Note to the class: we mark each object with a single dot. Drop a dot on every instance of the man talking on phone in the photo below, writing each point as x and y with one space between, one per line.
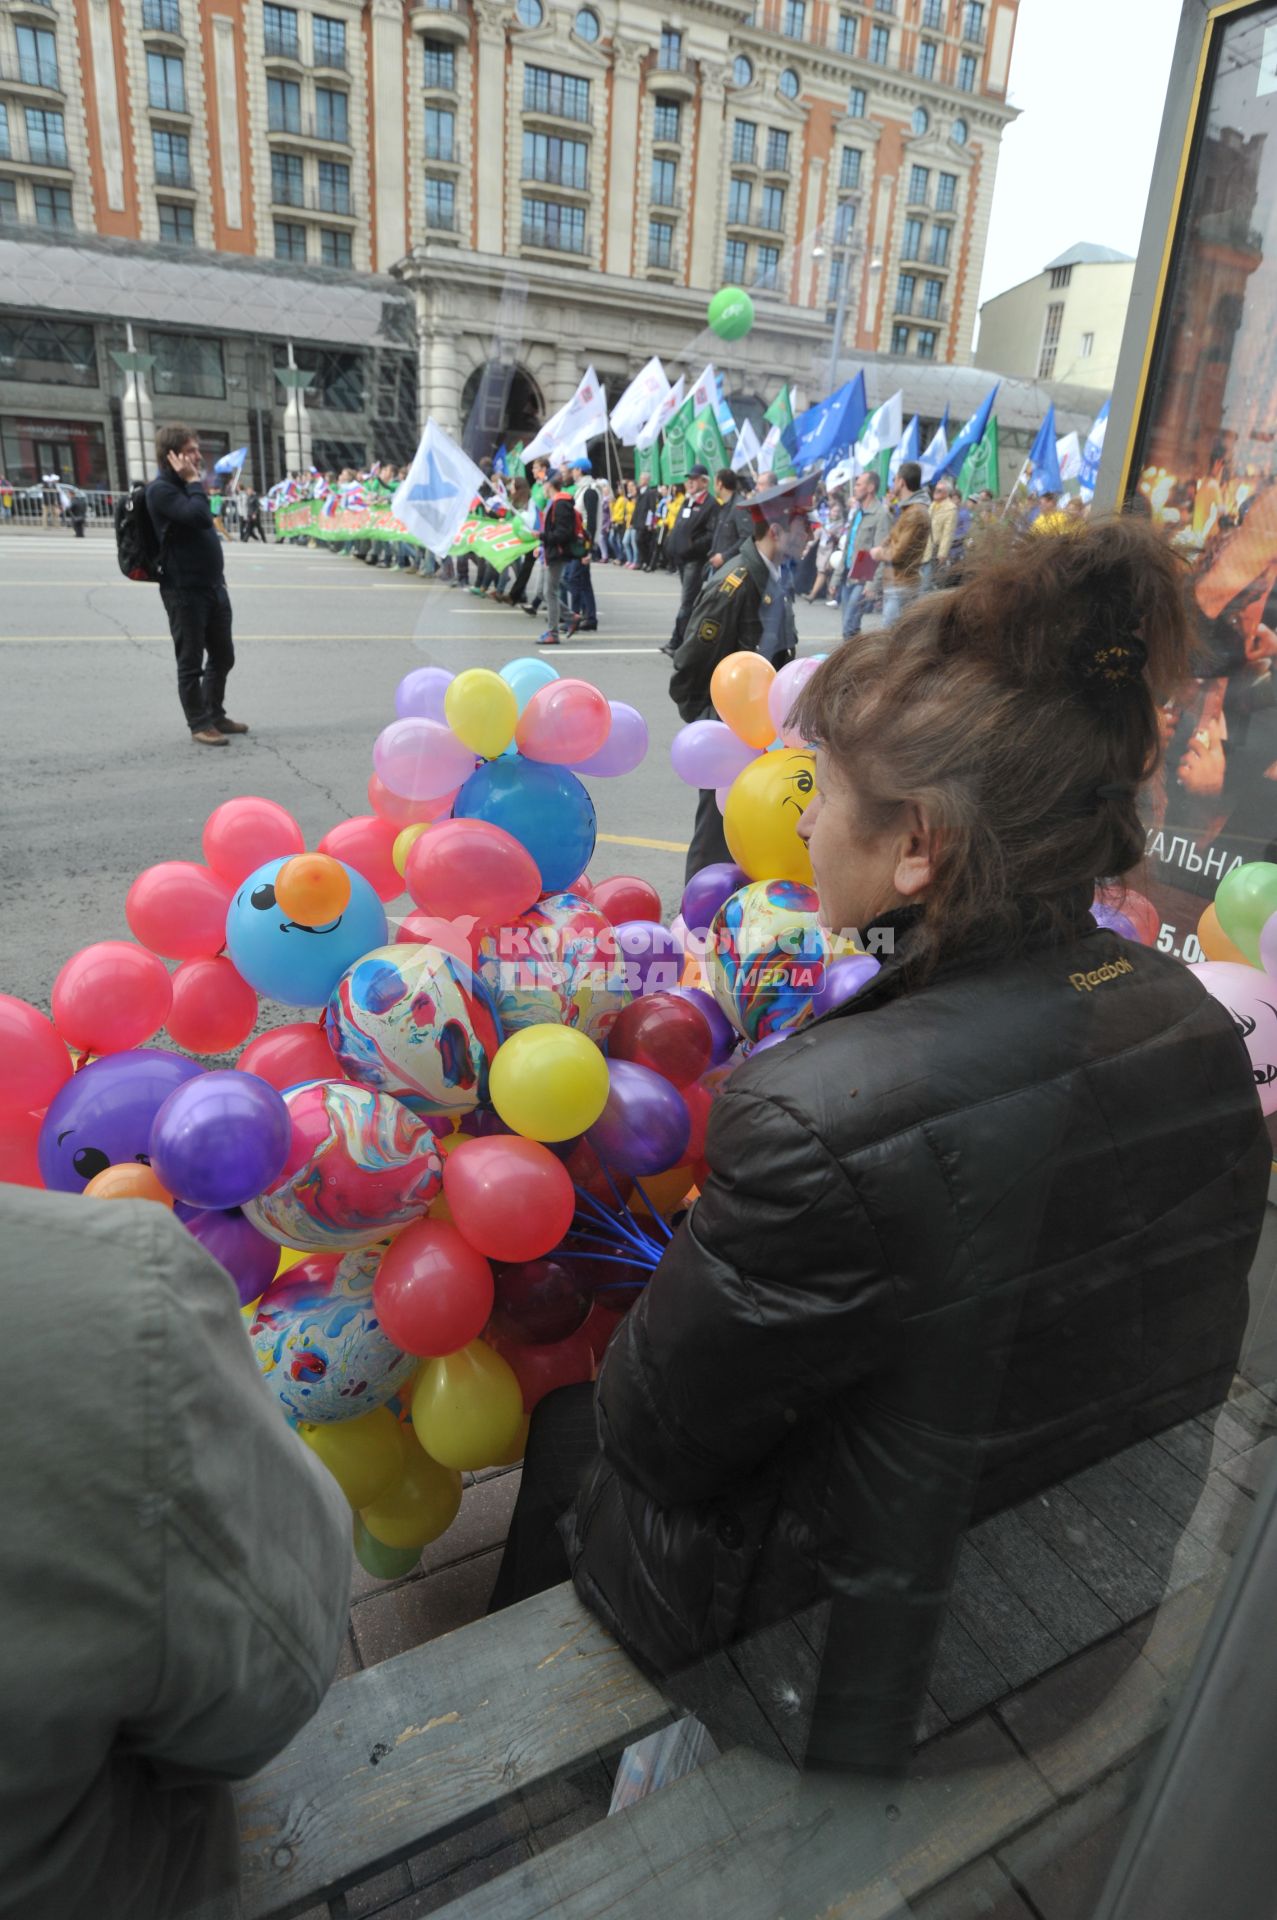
193 585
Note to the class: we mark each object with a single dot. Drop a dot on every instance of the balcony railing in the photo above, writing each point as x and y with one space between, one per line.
668 199
441 219
287 193
570 179
282 46
563 104
306 127
173 177
38 152
777 160
330 56
553 239
934 310
443 150
974 32
161 16
31 73
745 156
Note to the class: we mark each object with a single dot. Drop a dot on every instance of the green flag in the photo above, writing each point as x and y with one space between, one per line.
980 468
514 461
780 413
678 428
881 465
706 443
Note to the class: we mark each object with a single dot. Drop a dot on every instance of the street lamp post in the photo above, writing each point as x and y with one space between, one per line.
134 364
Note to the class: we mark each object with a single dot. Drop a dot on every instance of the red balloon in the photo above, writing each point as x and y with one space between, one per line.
512 1198
111 996
433 1292
34 1062
459 936
582 887
399 812
585 1170
178 908
19 1160
242 835
289 1056
625 897
214 1008
470 866
539 1301
699 1102
599 1328
541 1368
365 843
564 721
669 1035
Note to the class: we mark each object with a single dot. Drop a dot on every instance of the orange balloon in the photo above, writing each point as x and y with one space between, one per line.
130 1180
312 889
1215 943
739 690
667 1190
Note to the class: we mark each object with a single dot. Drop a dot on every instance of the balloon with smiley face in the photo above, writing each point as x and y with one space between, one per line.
292 963
102 1117
767 800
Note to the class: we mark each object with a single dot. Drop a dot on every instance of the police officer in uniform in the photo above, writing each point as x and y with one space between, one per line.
744 607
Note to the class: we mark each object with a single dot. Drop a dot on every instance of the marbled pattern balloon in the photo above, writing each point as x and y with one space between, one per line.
766 957
319 1343
413 1019
360 1164
555 965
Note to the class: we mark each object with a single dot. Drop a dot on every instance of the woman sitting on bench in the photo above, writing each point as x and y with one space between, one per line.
979 1228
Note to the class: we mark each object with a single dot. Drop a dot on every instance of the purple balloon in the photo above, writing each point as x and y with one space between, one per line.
234 1242
768 1040
645 1126
420 694
706 891
103 1115
722 1033
708 754
651 954
625 747
843 980
220 1140
1115 922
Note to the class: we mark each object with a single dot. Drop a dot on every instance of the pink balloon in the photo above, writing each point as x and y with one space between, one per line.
287 1056
214 1008
564 723
178 908
243 834
420 760
783 692
111 996
405 813
708 754
459 936
1251 999
472 867
366 843
34 1062
625 747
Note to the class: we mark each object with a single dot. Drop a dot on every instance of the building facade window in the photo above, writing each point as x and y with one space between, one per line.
911 244
188 363
879 45
287 185
162 16
46 138
849 170
940 241
660 243
926 345
968 66
330 41
587 23
441 134
847 33
933 15
958 133
439 68
441 204
166 82
1050 339
900 339
837 268
177 225
919 186
844 222
290 240
331 121
547 224
666 120
530 13
744 142
559 162
1088 346
739 195
664 183
777 151
926 62
789 84
771 212
932 299
973 21
37 57
767 267
563 94
283 106
856 103
794 19
670 53
40 350
734 258
743 70
334 186
8 198
905 285
280 26
52 206
171 153
946 192
5 149
1060 277
335 248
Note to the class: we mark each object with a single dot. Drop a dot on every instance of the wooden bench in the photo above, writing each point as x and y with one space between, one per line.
1060 1661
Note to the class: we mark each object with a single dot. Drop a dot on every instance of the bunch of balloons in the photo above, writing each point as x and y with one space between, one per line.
1238 935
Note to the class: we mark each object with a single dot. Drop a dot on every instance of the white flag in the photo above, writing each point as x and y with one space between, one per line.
748 451
937 452
705 392
575 425
435 499
1068 452
635 406
881 430
668 407
771 441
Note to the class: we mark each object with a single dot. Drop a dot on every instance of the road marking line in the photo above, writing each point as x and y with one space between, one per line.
637 840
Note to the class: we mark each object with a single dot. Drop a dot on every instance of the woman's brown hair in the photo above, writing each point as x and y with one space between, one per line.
1019 712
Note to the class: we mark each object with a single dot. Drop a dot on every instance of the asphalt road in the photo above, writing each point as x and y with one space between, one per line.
98 777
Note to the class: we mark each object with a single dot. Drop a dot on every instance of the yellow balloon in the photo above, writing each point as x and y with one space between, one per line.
739 689
1215 943
404 844
548 1083
767 800
482 710
517 1448
467 1409
417 1507
364 1456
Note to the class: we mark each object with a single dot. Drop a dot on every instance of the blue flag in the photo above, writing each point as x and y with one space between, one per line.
1092 453
971 435
500 463
829 428
231 462
936 449
1044 461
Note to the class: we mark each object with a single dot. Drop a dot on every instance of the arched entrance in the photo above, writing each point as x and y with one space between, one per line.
499 403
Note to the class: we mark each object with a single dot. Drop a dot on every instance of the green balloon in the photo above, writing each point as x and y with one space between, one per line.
1245 900
382 1562
731 313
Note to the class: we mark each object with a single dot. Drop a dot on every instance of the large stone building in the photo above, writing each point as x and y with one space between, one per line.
1063 324
555 183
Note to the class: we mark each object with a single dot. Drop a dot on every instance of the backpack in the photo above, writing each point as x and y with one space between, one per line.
137 545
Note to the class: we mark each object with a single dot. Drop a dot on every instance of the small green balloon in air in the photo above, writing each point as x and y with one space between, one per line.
731 313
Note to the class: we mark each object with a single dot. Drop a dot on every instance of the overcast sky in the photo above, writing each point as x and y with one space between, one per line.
1089 78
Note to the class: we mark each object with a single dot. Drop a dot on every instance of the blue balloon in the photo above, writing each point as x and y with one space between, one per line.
526 677
285 961
544 807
